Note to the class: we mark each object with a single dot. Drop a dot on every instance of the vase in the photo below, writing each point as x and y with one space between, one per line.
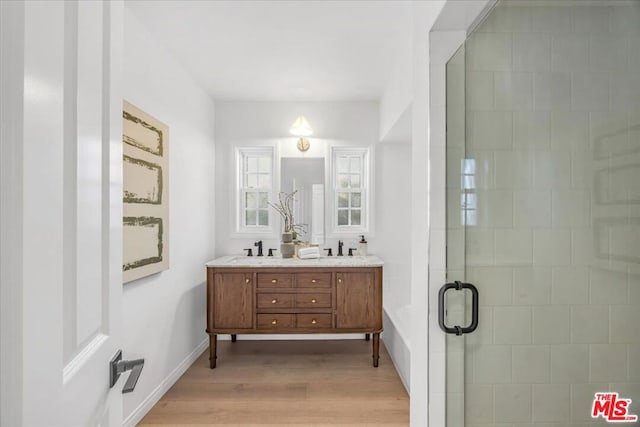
287 247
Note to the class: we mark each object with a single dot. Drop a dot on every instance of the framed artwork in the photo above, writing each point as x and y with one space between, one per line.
145 170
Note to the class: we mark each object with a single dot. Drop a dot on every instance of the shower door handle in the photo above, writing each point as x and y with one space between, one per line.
458 286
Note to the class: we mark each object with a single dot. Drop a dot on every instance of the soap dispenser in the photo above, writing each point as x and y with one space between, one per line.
362 246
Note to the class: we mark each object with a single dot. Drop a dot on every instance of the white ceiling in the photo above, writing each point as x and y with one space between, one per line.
282 50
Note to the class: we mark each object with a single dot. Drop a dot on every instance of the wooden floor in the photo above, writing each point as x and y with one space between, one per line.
279 383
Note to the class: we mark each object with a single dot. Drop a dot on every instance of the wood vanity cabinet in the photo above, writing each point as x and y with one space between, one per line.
294 300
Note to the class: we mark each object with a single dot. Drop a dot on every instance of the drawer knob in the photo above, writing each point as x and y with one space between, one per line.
273 301
246 280
339 280
274 322
314 301
313 321
274 280
313 280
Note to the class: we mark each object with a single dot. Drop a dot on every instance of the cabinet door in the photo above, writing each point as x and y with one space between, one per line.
232 301
358 301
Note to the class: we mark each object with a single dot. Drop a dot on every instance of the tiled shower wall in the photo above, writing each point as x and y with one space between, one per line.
552 210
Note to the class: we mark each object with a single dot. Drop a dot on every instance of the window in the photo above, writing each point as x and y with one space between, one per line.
350 176
469 200
255 179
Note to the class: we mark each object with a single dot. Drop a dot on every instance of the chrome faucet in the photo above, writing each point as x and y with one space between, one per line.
259 245
340 245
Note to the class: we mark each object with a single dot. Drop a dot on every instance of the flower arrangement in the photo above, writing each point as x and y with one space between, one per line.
284 207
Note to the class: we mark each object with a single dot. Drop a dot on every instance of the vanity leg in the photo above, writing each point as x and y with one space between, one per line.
213 339
233 337
366 337
376 349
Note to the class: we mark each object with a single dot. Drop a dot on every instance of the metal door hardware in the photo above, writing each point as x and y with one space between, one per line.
118 366
458 286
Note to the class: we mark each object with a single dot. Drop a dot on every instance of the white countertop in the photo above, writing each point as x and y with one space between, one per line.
276 261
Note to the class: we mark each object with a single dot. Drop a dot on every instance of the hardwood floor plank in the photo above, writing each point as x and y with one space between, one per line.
279 383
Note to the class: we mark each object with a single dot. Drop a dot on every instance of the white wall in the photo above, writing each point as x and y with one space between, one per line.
398 93
253 123
164 314
393 245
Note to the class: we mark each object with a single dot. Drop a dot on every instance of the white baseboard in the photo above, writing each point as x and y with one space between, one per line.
136 416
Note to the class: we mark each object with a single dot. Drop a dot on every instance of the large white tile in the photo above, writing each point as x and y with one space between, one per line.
491 364
531 51
582 170
625 89
495 208
532 209
608 363
455 250
489 51
494 284
625 18
551 325
504 18
610 134
478 403
513 91
582 400
552 91
625 320
634 362
590 324
479 249
484 334
551 247
484 173
531 285
531 364
479 90
570 129
551 19
570 285
590 92
608 286
570 208
569 52
512 325
570 363
551 403
490 129
513 169
608 52
513 247
512 403
531 130
591 19
552 169
582 249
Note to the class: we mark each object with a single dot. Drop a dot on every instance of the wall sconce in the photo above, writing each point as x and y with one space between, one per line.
301 128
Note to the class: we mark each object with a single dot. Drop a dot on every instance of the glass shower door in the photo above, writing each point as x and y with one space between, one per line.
543 216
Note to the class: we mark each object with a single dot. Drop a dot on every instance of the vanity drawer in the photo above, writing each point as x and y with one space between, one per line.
275 300
276 321
313 280
275 280
315 299
322 321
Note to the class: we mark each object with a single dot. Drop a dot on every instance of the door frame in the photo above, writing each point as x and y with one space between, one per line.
11 158
456 21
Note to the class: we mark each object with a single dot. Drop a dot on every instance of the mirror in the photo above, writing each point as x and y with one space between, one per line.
306 175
